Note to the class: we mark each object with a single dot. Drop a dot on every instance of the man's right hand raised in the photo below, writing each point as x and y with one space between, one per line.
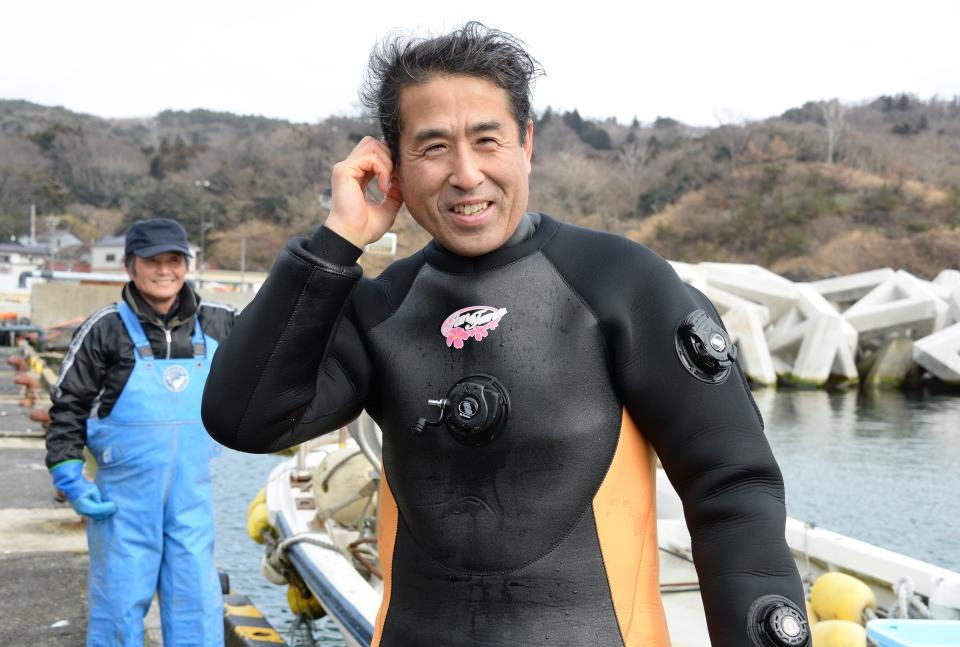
354 215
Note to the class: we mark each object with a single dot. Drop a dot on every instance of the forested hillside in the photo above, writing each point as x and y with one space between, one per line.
819 190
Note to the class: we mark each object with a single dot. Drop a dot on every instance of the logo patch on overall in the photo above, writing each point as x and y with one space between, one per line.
473 321
176 378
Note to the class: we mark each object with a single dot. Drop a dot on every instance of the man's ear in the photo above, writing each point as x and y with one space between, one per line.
528 144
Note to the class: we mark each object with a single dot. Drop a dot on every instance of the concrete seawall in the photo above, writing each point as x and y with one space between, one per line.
56 303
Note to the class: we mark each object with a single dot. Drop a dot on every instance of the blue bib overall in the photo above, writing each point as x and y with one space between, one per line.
154 457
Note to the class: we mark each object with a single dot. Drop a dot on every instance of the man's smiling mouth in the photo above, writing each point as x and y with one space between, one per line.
470 209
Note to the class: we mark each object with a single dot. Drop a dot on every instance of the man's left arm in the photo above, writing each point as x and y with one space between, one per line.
677 375
702 422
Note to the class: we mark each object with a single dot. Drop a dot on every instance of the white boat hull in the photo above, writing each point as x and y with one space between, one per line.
352 601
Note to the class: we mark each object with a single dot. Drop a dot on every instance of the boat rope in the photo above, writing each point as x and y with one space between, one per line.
903 588
325 484
907 600
276 553
306 538
679 587
906 605
677 554
366 492
808 576
354 548
303 620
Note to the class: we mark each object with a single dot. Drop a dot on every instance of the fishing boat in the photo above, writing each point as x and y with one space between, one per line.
317 517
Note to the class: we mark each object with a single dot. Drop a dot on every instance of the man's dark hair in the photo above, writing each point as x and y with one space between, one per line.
472 50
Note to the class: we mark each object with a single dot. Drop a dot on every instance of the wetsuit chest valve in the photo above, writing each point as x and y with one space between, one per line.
475 410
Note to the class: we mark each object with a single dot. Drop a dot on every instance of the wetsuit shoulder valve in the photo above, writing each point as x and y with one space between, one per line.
475 410
704 348
775 621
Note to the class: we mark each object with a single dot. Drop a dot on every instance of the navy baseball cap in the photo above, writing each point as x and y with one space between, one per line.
147 238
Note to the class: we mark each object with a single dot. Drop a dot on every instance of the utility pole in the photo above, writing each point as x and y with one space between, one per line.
243 263
51 228
204 226
33 225
202 256
203 240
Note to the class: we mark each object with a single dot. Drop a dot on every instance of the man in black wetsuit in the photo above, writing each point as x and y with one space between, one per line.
523 372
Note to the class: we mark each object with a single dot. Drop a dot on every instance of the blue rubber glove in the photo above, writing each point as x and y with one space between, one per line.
83 495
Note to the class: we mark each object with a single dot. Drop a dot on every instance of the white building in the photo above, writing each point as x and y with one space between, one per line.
53 241
106 255
16 259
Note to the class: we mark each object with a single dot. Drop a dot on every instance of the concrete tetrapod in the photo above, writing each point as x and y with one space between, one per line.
852 287
939 353
744 319
900 305
754 283
813 341
954 304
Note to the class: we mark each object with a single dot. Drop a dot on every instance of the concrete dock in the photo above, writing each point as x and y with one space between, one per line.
43 547
43 543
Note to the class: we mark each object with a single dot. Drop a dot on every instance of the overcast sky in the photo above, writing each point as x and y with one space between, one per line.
303 60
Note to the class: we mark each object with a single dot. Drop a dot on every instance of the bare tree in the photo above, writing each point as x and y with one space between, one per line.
634 156
732 136
833 113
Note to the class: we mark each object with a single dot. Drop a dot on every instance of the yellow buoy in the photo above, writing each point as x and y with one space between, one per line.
257 522
260 498
811 614
837 596
838 633
300 603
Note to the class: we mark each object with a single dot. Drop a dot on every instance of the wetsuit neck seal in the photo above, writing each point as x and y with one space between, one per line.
528 243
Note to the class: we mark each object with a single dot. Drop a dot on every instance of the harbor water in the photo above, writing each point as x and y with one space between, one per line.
237 478
882 468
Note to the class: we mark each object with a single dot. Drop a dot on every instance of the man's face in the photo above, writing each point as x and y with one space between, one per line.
160 277
463 171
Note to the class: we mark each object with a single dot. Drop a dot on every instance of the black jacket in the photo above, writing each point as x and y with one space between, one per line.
100 358
494 543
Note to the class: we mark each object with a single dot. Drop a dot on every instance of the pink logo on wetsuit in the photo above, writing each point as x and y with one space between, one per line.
474 321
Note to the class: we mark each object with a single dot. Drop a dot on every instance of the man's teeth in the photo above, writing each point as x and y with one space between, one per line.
470 209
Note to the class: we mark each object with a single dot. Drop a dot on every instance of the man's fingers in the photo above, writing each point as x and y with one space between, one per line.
359 167
393 200
384 179
369 157
369 144
354 214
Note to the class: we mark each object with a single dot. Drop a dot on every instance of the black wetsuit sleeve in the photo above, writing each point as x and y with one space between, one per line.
81 379
709 437
294 366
